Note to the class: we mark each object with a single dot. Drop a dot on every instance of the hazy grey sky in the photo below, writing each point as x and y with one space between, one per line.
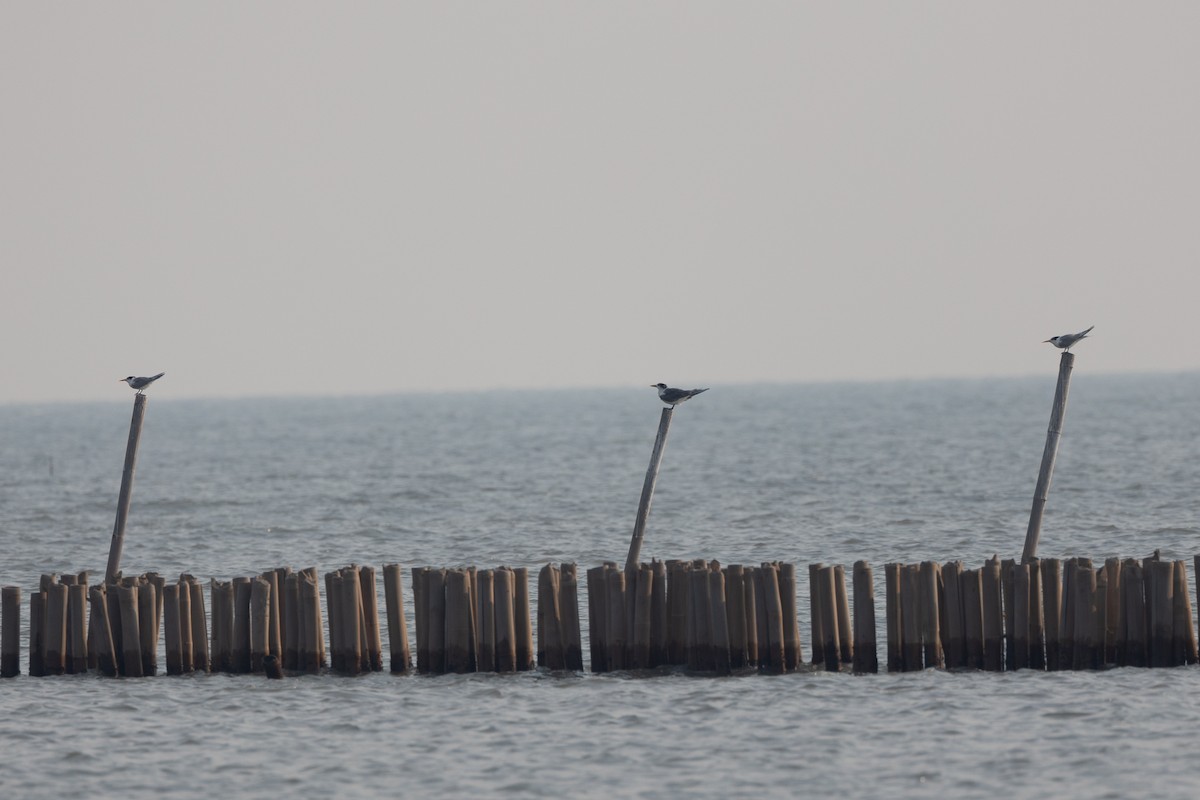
284 197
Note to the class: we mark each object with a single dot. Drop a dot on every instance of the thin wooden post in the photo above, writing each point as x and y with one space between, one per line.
506 635
275 620
642 595
201 659
1051 569
1037 627
368 595
895 653
993 616
106 660
187 652
522 622
54 648
568 610
312 631
775 661
660 621
614 615
720 621
1112 616
174 642
458 621
700 657
1049 454
485 617
127 598
260 622
118 537
10 631
677 616
550 639
1007 596
751 613
792 655
953 633
1183 650
1161 600
1099 620
77 649
1085 589
643 511
349 613
971 588
393 592
1131 639
827 589
845 627
148 625
1019 638
240 643
735 616
436 620
866 658
910 618
930 616
816 614
597 619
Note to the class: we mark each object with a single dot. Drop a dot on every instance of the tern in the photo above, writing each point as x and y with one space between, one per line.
1065 341
141 383
674 397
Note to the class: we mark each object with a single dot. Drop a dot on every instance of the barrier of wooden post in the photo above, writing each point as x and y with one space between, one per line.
1084 582
643 511
1049 454
719 621
1051 573
126 491
221 603
77 633
550 638
274 602
348 587
393 593
1112 615
735 616
775 660
752 612
597 619
1132 639
866 658
10 631
485 616
911 626
1037 625
311 652
700 645
1183 636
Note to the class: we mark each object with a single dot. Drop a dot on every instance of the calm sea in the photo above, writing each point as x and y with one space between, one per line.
835 473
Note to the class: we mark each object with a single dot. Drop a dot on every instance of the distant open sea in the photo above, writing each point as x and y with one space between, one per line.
899 471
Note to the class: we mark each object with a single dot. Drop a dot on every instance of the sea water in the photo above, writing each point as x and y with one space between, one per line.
901 471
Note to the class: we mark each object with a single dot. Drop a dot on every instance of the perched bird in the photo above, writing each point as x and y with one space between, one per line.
141 383
674 397
1065 341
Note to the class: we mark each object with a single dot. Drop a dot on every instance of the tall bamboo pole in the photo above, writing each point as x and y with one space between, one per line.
643 512
118 536
1053 434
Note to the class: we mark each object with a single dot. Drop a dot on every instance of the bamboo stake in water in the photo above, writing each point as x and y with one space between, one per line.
118 537
1053 434
643 512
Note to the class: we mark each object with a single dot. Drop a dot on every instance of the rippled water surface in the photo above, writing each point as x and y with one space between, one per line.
833 473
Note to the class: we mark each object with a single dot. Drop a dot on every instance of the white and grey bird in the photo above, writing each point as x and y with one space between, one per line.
674 397
141 383
1065 341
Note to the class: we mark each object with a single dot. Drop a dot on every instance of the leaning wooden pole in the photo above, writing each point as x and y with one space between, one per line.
643 512
118 537
1053 434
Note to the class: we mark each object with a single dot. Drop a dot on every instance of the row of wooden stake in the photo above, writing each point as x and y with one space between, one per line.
1046 614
